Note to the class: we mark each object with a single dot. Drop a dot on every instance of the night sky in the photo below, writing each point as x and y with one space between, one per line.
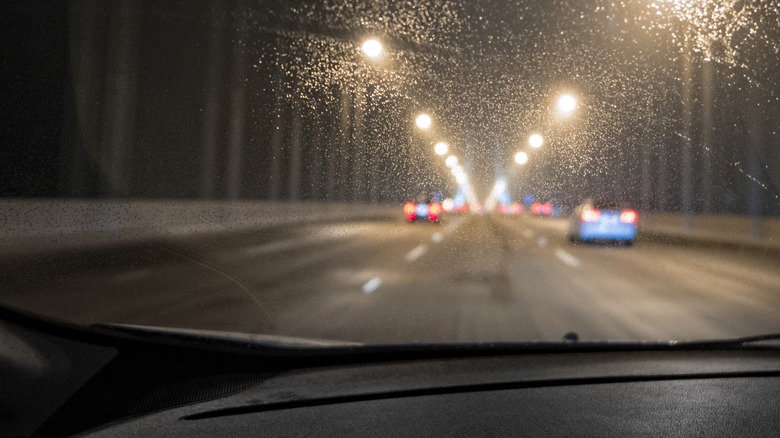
264 100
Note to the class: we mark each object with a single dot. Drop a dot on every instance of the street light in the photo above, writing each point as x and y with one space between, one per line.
372 48
423 121
566 104
441 148
521 158
536 141
451 161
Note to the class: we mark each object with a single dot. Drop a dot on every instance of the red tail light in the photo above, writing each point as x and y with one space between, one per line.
590 215
410 210
628 217
434 210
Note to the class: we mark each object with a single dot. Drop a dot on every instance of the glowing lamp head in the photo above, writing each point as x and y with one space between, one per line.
521 158
441 148
451 161
423 121
536 141
372 48
567 104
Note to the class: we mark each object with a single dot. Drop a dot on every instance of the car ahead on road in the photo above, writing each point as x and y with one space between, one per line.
512 209
601 221
545 209
423 210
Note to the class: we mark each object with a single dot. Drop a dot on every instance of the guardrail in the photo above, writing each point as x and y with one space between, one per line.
756 232
31 225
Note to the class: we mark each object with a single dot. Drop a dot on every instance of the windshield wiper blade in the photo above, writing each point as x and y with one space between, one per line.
269 341
569 343
746 341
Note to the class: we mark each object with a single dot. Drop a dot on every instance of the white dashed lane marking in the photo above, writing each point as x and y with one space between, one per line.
567 258
372 285
416 253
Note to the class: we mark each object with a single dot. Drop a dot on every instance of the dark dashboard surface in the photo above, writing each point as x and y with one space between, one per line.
61 380
578 394
705 407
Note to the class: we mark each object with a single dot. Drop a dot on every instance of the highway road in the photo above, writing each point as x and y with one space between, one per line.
470 278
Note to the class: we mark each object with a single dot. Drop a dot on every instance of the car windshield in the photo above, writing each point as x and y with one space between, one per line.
395 171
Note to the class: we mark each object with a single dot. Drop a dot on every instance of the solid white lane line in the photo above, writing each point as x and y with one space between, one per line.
567 258
372 285
437 237
415 254
541 241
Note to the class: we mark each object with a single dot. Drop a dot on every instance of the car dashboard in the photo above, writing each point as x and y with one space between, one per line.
119 381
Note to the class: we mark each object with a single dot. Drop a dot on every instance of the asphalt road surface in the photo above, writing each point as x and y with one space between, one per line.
469 278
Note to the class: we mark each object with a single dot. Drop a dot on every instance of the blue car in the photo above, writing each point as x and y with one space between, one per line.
603 222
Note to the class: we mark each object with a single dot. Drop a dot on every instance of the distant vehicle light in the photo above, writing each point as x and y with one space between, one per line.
629 217
434 210
547 209
590 215
448 204
536 208
410 211
515 208
422 210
